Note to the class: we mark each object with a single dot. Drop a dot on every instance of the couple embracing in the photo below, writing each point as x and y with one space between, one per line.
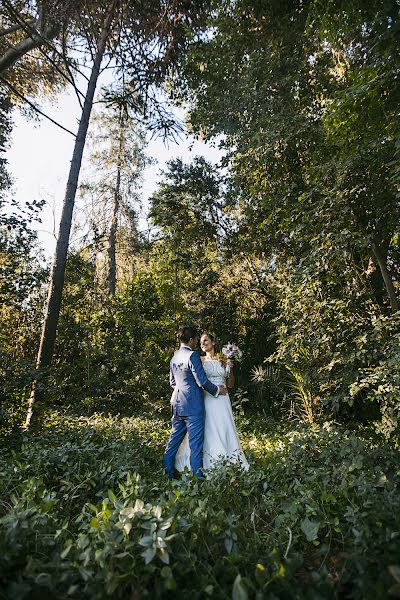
203 429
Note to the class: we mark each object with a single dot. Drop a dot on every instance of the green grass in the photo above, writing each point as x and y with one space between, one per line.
86 512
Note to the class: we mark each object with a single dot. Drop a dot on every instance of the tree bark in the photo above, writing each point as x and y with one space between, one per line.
14 53
112 244
112 240
48 337
387 278
14 28
38 31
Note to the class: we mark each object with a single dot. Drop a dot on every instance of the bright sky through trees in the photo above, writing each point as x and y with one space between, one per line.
43 173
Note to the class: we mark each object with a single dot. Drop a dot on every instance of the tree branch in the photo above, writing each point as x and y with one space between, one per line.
14 28
35 108
31 31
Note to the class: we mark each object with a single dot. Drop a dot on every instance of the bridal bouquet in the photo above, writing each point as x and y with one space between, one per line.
233 354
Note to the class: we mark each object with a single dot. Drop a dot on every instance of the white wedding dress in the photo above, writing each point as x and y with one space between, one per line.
221 441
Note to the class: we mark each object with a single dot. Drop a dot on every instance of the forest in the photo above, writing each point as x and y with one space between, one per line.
289 246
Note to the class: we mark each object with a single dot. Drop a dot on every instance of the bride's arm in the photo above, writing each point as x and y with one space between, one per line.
230 383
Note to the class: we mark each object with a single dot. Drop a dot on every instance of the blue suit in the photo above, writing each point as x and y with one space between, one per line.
187 379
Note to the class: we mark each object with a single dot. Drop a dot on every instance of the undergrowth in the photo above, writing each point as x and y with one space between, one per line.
86 512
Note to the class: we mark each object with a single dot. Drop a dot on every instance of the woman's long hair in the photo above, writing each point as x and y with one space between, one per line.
214 340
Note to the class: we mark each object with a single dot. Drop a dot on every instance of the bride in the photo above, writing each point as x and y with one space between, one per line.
221 440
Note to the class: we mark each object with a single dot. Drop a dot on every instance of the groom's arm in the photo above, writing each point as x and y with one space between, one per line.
200 375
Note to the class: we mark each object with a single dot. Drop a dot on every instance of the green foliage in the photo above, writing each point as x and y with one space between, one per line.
303 99
5 132
376 361
21 299
205 277
86 512
346 361
112 353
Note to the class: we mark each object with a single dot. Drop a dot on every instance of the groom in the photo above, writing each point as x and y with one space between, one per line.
187 378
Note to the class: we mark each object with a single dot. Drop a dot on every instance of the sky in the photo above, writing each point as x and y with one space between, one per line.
40 154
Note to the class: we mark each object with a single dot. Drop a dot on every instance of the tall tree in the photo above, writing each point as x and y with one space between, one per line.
362 120
48 336
305 120
206 277
304 97
146 33
116 164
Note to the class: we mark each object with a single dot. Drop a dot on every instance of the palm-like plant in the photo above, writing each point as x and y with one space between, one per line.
288 382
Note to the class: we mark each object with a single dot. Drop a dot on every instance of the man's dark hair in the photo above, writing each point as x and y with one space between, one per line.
186 333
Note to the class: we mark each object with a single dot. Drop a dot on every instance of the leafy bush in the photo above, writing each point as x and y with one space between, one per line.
346 362
21 298
377 358
87 512
111 353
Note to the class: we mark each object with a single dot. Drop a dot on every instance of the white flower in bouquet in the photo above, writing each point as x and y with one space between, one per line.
232 354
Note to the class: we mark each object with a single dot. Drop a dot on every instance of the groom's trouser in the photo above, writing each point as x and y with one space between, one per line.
194 426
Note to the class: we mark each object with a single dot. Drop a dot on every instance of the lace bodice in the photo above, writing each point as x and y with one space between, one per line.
215 371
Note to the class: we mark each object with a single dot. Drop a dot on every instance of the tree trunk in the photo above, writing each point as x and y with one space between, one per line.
112 261
14 53
48 336
15 28
112 240
39 31
381 260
